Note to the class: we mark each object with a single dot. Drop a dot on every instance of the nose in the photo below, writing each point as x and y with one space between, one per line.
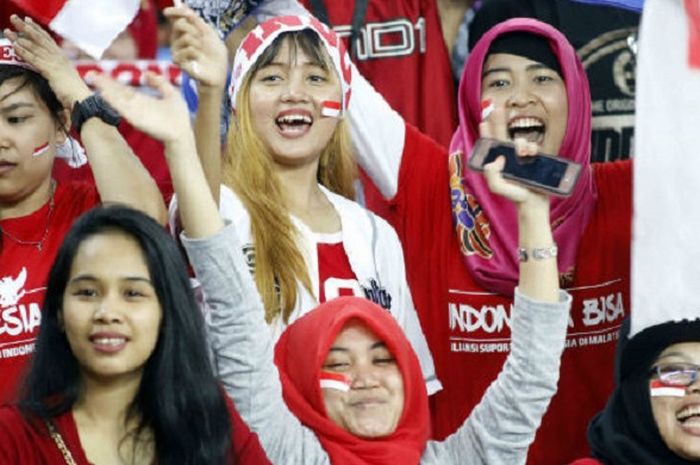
694 387
364 377
107 311
295 90
520 96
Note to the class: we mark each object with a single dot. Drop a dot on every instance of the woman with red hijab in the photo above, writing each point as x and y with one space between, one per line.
460 240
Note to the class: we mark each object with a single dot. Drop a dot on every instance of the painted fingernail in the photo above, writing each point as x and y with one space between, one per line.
487 107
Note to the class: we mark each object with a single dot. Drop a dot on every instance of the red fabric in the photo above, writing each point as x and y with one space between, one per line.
425 97
692 8
587 461
300 354
43 11
333 263
23 273
467 326
496 265
21 443
144 30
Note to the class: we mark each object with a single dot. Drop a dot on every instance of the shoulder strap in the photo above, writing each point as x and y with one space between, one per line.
318 8
58 439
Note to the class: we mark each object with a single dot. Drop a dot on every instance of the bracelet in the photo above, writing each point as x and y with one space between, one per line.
537 253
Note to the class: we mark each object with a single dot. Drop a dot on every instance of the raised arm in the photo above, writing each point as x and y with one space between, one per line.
119 175
502 426
198 50
239 336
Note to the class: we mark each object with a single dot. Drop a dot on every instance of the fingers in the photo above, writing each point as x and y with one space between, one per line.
493 123
524 148
161 84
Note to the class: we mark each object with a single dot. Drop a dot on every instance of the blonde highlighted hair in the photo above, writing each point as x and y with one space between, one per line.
248 170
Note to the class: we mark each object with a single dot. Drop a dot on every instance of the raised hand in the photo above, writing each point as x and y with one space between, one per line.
164 117
197 48
35 46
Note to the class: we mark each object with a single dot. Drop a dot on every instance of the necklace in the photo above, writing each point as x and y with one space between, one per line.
40 243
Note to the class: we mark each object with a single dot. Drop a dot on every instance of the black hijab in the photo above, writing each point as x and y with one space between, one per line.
625 432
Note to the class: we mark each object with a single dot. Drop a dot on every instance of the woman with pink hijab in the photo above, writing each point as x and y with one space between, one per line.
461 241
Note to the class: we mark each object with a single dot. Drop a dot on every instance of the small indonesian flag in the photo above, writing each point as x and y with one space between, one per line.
337 381
659 389
40 150
487 108
331 108
91 24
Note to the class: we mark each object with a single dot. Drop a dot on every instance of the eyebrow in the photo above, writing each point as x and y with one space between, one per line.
91 278
15 106
504 69
376 345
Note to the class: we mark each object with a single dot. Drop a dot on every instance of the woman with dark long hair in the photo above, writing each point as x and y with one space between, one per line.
38 90
121 372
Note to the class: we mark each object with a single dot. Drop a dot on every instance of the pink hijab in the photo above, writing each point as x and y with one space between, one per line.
493 258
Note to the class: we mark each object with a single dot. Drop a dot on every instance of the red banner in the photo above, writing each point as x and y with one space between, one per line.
131 72
692 9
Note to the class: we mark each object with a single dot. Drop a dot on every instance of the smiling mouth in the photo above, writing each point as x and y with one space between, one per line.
294 124
689 416
528 128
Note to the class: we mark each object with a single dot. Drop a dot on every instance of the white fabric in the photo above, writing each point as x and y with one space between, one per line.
374 253
666 251
72 152
94 24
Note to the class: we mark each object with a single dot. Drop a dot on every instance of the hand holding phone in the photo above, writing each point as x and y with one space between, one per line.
540 172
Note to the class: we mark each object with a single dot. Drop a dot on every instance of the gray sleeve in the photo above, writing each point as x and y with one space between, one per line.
502 426
243 349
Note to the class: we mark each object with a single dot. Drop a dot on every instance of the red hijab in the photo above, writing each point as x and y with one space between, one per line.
300 354
495 266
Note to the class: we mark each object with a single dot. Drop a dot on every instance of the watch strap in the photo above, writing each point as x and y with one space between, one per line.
93 106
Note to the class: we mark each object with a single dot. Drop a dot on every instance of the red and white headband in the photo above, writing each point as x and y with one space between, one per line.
9 57
260 38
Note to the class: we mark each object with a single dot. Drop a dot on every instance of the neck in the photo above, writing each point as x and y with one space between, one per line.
27 203
300 187
107 401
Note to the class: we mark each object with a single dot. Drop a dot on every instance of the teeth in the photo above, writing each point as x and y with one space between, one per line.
688 412
111 341
294 119
525 123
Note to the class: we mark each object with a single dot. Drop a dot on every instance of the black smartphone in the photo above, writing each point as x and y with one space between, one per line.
553 175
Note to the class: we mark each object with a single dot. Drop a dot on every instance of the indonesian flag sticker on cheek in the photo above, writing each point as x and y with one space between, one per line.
486 108
331 108
659 389
336 381
39 151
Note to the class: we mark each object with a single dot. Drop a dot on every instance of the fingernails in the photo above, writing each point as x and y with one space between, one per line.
487 108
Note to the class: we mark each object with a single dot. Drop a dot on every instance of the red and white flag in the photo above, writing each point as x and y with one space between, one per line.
338 381
666 250
91 24
658 389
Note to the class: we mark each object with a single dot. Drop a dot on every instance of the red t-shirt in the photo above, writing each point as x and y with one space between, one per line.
24 270
20 443
467 327
336 277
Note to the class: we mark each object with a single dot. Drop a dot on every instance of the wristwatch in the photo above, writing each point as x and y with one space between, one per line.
94 105
538 253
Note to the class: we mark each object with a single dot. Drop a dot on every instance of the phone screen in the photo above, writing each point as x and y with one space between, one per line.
541 170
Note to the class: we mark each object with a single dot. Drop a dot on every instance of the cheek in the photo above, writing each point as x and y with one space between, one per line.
663 411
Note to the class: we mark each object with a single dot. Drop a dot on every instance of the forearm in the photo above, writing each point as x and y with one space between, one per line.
539 277
502 426
198 211
119 174
207 130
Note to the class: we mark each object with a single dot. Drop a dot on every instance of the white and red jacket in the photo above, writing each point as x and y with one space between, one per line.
375 255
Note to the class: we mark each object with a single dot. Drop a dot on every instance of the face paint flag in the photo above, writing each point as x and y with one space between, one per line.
224 15
486 108
336 381
40 150
658 389
634 5
665 260
84 22
331 109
